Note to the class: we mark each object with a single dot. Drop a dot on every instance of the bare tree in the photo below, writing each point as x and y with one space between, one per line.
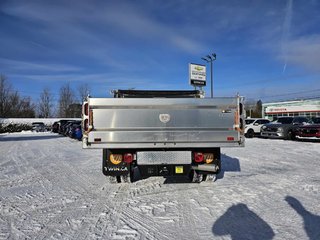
45 105
66 99
5 92
253 109
83 91
14 101
26 109
11 104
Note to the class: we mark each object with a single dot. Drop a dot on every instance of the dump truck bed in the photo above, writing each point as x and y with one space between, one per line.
163 122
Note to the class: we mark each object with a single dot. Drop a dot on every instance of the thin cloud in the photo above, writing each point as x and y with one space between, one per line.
304 52
16 66
124 18
286 33
108 79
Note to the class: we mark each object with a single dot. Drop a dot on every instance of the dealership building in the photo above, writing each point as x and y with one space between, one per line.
307 108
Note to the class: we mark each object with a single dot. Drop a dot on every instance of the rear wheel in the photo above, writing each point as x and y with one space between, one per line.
210 177
125 178
250 133
291 135
114 179
195 176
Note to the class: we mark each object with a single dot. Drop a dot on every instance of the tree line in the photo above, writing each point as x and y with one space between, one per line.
253 109
68 104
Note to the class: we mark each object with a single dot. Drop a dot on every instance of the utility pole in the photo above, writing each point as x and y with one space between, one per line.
210 59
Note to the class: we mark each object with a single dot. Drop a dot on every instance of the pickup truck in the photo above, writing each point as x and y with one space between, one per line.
162 133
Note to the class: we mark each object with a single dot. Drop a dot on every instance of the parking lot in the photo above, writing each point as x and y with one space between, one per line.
51 188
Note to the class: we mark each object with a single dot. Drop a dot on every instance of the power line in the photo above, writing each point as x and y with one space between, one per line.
294 93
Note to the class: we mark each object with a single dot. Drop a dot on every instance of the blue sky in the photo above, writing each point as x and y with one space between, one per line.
265 50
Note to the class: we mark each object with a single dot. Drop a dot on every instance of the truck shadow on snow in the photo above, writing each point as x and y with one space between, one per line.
228 164
242 223
310 220
10 138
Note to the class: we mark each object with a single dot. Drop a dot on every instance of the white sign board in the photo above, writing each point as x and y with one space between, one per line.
197 74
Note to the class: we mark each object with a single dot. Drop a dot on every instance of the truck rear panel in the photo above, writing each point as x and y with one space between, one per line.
162 122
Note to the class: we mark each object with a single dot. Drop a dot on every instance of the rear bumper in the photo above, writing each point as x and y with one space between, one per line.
164 170
176 170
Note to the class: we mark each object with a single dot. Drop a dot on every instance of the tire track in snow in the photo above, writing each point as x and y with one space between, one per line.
58 173
120 221
41 201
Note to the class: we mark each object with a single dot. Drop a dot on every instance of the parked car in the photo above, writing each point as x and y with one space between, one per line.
63 125
55 127
309 131
316 120
253 126
72 127
38 127
283 127
66 128
78 133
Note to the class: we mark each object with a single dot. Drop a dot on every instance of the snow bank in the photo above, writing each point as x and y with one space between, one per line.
29 121
10 125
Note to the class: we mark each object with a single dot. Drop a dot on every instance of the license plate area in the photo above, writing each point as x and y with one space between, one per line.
164 170
179 170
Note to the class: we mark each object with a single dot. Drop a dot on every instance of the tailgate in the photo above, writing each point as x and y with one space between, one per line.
163 122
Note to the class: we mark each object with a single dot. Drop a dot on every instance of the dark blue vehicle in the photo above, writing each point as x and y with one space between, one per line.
75 131
78 133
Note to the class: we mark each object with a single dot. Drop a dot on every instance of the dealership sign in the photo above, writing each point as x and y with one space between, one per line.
197 74
289 109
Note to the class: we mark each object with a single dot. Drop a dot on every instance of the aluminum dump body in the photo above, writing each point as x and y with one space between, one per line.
163 122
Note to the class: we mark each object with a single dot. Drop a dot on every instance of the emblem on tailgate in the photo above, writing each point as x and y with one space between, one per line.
164 117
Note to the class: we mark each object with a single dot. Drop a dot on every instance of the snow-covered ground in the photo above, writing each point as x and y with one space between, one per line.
29 121
50 188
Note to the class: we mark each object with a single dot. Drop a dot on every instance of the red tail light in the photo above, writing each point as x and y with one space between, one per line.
198 157
86 109
128 157
86 125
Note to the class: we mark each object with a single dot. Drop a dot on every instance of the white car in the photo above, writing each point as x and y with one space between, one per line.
253 126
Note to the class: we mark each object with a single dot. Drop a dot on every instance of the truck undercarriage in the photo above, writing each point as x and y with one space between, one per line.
198 164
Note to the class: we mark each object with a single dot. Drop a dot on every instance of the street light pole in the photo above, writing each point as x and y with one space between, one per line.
210 59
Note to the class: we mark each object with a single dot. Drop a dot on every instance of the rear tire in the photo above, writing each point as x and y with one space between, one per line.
125 178
118 179
195 176
250 133
134 174
210 177
112 179
290 135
